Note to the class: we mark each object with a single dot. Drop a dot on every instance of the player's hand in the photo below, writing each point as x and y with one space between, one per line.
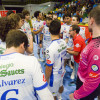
71 96
40 45
42 27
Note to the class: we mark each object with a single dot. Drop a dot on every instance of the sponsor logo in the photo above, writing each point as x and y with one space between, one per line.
59 50
95 68
95 57
4 73
44 78
48 61
77 45
47 51
93 75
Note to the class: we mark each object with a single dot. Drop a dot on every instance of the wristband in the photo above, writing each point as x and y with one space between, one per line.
40 41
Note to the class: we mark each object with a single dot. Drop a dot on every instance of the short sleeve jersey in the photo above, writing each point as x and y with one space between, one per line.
55 55
65 31
79 45
46 37
21 76
36 26
26 28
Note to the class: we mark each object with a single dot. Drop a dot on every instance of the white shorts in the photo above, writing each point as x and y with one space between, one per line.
56 85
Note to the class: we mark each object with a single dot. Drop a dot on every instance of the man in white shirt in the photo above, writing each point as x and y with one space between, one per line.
55 56
21 75
37 30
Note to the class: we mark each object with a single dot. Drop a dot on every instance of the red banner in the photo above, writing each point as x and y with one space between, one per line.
4 12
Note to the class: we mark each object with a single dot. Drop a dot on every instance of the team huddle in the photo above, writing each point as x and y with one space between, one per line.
63 44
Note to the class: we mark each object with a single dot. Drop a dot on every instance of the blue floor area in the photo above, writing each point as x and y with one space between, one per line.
67 89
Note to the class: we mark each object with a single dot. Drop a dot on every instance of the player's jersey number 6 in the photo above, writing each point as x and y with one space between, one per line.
3 97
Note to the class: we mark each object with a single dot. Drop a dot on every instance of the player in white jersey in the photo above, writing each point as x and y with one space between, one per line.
21 75
26 27
76 21
45 37
16 22
55 56
37 30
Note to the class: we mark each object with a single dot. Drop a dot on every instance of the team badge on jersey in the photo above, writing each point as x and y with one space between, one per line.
95 67
47 51
95 57
77 45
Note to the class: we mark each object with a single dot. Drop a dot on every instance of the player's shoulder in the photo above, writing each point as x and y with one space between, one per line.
28 59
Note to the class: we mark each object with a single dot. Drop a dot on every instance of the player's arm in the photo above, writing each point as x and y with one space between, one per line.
73 52
41 38
66 40
48 71
30 48
49 63
38 31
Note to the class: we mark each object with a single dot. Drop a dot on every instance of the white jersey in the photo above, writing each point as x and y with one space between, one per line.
82 32
2 47
26 28
20 77
46 37
65 31
55 55
36 26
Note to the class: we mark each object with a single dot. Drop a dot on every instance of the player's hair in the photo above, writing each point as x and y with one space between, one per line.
25 12
14 20
66 15
21 15
36 14
76 27
77 17
95 13
55 27
9 12
5 26
15 38
48 18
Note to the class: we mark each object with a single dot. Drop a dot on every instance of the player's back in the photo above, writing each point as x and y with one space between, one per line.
18 77
57 52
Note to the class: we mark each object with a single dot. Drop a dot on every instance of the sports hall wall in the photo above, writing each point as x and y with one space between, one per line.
45 7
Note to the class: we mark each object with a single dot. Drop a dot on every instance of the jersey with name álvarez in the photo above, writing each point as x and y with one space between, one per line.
36 26
89 69
55 55
20 77
46 37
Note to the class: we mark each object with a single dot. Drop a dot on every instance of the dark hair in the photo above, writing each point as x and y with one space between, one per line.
78 17
48 18
9 12
21 15
5 26
14 20
76 27
66 15
15 38
36 14
25 12
95 13
55 27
